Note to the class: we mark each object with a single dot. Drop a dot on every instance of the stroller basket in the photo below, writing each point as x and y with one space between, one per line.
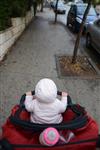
19 133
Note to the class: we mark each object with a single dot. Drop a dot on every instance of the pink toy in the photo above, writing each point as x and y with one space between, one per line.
49 137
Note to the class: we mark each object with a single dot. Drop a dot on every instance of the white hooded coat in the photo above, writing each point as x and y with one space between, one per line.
46 108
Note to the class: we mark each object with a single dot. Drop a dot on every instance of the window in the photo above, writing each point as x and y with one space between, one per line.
81 10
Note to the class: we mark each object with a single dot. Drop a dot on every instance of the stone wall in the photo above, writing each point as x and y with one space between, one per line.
10 35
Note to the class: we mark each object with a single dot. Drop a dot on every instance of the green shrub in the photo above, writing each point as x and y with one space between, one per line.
20 7
95 2
30 3
12 8
5 12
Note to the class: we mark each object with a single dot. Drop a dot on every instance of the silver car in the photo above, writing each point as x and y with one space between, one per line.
93 35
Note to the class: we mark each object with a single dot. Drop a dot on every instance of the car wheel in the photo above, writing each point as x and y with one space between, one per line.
88 41
67 24
74 28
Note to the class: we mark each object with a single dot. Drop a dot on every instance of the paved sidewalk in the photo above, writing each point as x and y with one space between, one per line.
33 58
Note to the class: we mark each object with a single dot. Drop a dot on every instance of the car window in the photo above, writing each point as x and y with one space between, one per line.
81 9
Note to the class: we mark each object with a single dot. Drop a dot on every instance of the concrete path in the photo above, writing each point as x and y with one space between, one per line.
33 58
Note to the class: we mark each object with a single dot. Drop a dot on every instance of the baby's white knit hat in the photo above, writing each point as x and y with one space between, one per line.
46 91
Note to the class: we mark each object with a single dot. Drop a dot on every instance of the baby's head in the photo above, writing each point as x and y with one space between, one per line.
46 91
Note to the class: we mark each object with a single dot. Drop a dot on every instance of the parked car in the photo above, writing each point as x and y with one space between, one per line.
61 7
73 2
93 35
75 16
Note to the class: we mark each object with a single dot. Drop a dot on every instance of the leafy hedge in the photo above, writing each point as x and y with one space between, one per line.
95 2
19 8
12 8
5 12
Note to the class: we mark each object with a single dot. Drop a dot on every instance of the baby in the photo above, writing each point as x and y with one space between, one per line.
46 107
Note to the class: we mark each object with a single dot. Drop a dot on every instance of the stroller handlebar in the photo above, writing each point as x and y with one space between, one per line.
33 93
58 93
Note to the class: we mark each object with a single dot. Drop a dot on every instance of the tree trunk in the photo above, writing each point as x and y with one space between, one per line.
80 32
35 8
56 11
42 5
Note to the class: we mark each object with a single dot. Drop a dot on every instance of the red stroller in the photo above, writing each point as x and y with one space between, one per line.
18 133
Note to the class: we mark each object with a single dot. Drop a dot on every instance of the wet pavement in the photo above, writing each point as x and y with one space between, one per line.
33 58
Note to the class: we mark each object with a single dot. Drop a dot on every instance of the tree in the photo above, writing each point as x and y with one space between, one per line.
42 1
80 32
95 2
56 7
35 7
